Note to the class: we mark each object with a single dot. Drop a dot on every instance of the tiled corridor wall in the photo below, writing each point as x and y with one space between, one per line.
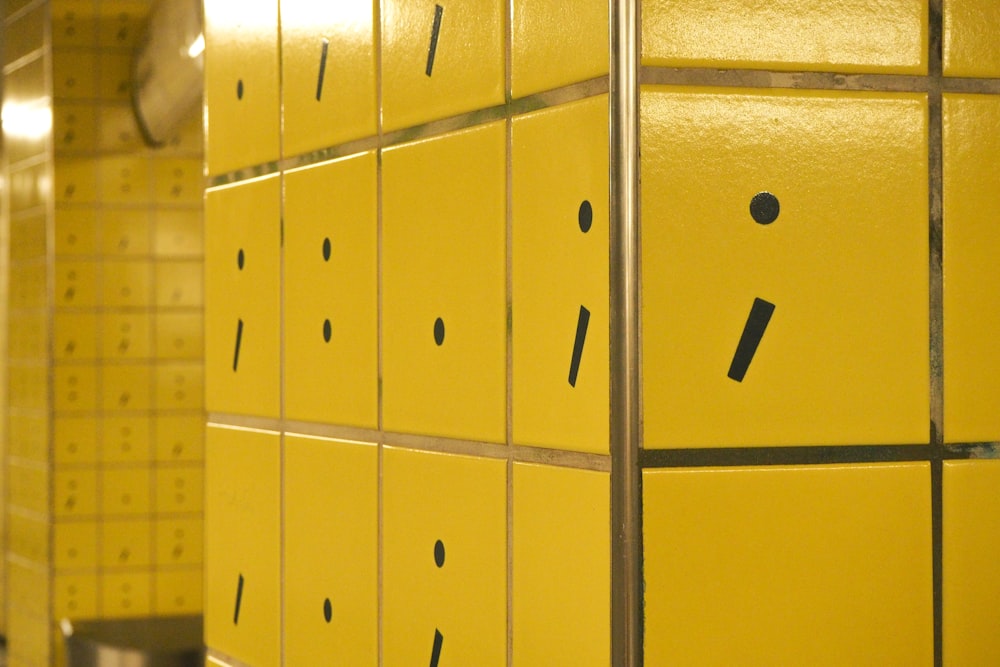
411 247
106 345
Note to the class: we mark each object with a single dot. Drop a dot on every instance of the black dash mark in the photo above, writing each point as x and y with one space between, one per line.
239 341
439 331
322 68
760 315
239 598
581 337
436 651
438 13
327 610
439 553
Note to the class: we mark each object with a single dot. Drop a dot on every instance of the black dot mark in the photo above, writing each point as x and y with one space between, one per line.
753 331
439 331
327 330
240 259
585 216
327 610
764 208
327 249
435 32
439 553
239 89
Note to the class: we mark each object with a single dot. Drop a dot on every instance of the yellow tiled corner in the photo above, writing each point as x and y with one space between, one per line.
180 386
179 437
179 489
241 82
562 566
788 565
126 491
970 46
330 292
179 541
242 295
971 244
444 559
74 492
331 552
807 208
177 592
560 276
443 262
126 544
328 73
243 544
971 539
126 387
75 596
439 60
126 594
554 47
125 439
890 36
75 545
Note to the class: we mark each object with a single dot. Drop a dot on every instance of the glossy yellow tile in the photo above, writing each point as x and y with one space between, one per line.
28 486
179 437
242 295
126 544
243 544
177 181
29 537
971 242
330 293
126 387
970 46
180 386
328 73
74 74
74 127
123 180
74 492
444 559
126 594
177 592
971 581
75 545
178 284
179 335
126 491
443 262
28 438
125 335
331 552
76 283
30 238
179 541
28 588
562 566
75 336
75 388
127 283
560 276
75 232
787 35
179 489
241 81
75 596
784 259
178 233
125 232
788 565
125 439
75 440
440 60
554 47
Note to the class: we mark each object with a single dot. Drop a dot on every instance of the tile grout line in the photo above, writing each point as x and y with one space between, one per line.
282 444
379 437
509 319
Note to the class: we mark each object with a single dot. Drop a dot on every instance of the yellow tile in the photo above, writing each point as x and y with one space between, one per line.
75 231
75 336
28 537
328 73
74 492
179 284
443 280
126 595
125 439
560 267
123 180
75 440
29 238
76 283
553 47
440 60
127 283
75 596
970 47
74 127
179 438
178 233
122 23
74 23
970 543
33 639
177 181
29 438
843 267
179 541
331 301
331 552
126 232
25 35
28 288
30 338
29 387
787 35
178 592
125 491
75 545
241 81
28 487
971 242
180 336
30 187
74 74
242 295
788 565
243 545
27 589
562 566
179 489
115 79
126 388
126 335
126 544
75 388
180 386
444 559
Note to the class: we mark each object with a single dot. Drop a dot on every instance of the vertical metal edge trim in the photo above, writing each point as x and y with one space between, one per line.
626 599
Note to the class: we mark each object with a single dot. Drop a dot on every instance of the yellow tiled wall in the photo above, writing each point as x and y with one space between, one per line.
105 448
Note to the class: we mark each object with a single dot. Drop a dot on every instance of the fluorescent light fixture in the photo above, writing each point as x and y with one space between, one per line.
197 46
26 121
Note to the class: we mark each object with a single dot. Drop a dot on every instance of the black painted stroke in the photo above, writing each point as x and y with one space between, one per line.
322 68
436 651
581 337
239 599
435 31
239 341
753 331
